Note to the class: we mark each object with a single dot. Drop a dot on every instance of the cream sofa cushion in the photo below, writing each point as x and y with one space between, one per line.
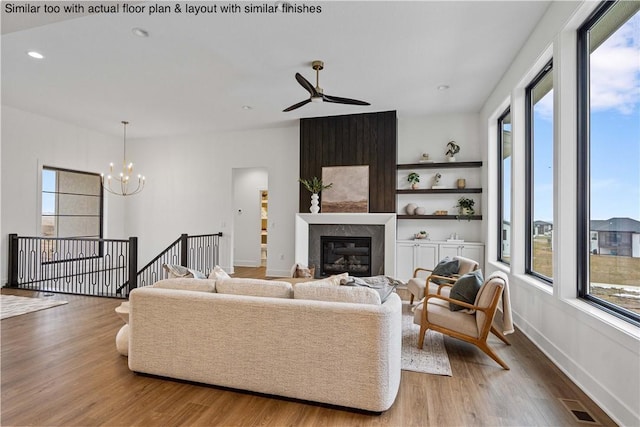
329 292
187 284
254 287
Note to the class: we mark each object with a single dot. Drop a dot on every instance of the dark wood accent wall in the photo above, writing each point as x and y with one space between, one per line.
352 140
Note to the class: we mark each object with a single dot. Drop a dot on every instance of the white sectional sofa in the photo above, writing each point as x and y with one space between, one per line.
271 337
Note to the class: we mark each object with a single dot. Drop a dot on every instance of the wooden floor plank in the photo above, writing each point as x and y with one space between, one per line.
60 367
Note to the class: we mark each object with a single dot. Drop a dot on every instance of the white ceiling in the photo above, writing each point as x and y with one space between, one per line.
193 74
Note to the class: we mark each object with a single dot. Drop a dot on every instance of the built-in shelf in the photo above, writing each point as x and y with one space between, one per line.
460 217
440 191
441 165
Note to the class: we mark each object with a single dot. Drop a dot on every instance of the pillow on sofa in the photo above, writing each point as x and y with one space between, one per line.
187 284
329 292
177 271
254 287
447 267
465 289
384 285
299 270
218 273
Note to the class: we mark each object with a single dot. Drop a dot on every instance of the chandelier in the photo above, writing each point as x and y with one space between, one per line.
122 180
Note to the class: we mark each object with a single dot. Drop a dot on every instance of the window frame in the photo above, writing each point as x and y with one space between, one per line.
583 183
501 118
100 216
547 68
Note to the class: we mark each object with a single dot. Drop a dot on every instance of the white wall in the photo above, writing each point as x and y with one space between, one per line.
189 190
599 352
30 141
247 184
430 135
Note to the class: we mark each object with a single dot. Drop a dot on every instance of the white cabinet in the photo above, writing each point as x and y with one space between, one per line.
474 251
411 254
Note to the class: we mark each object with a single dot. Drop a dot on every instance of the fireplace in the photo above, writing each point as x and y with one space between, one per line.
345 254
381 227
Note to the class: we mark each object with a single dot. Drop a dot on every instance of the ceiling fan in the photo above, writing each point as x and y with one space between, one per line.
317 95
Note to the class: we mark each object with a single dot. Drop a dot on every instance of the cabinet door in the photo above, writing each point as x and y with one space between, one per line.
474 252
449 250
405 260
426 255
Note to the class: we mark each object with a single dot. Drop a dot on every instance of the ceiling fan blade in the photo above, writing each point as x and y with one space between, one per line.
305 84
298 105
338 100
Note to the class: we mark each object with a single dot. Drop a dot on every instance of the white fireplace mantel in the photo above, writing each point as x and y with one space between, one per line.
387 219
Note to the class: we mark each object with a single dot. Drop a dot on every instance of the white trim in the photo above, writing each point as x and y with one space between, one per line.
388 220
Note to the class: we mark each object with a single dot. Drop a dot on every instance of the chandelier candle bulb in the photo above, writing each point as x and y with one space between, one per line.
127 171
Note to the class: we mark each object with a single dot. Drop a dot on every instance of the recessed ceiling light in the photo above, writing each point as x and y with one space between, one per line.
35 55
443 87
140 32
247 107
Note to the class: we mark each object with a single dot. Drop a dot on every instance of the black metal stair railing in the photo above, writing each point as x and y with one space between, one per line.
100 267
71 265
201 252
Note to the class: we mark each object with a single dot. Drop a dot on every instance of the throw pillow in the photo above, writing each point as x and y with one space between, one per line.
187 284
384 285
218 273
465 289
302 271
254 287
178 271
330 292
447 267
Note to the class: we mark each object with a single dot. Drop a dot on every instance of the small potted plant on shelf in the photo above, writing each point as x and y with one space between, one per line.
465 207
452 150
414 179
421 235
314 185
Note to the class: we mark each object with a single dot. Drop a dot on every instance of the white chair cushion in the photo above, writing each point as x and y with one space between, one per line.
440 315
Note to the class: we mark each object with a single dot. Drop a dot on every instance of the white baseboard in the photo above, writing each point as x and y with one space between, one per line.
596 391
247 263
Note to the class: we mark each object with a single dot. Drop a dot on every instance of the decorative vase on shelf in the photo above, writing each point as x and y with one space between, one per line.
315 208
452 158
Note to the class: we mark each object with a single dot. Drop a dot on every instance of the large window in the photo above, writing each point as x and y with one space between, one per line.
504 178
609 153
71 204
539 203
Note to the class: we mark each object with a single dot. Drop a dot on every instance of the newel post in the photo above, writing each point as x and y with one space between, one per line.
133 263
12 271
184 250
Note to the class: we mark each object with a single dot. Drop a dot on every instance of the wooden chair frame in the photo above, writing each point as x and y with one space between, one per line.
481 340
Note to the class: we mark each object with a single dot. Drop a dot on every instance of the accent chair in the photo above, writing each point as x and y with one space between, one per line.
419 285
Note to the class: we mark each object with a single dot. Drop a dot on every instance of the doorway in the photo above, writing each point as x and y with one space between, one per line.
250 216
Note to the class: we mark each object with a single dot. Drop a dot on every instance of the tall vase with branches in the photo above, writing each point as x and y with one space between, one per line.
314 185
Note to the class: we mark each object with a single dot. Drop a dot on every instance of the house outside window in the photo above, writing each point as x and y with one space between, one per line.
504 178
540 184
609 152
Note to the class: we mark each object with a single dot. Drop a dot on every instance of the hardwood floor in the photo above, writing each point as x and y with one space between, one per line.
60 367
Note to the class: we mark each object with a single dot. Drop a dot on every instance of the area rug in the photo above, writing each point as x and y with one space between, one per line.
433 358
12 305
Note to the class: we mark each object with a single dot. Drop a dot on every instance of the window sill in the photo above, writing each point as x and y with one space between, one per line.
597 318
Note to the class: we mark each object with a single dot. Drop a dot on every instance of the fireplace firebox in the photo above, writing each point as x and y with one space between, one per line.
341 254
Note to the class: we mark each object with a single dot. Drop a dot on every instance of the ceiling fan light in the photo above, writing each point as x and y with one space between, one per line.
316 99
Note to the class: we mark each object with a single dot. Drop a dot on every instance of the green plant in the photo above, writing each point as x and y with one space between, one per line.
467 204
453 148
413 178
314 184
